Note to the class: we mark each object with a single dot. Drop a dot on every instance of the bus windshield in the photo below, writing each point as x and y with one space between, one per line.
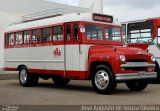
140 32
102 33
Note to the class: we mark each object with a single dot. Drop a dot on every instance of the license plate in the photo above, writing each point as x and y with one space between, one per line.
141 73
150 69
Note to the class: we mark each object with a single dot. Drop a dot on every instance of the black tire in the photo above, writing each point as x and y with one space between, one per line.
137 85
60 81
157 80
98 80
29 80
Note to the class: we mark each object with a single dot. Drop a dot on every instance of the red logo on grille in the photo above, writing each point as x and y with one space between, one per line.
56 53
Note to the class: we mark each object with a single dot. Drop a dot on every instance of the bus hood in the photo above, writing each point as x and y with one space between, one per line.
120 50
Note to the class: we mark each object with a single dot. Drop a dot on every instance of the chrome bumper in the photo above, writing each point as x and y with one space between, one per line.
137 64
135 76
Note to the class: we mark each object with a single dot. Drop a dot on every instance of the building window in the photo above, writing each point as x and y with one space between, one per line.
75 32
140 32
57 33
27 36
36 36
46 34
11 39
19 37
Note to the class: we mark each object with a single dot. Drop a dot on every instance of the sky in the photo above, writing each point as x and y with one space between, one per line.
125 10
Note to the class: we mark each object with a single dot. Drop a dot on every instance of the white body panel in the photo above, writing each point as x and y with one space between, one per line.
43 57
154 49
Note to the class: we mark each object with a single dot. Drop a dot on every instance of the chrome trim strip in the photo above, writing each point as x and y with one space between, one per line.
137 64
34 61
136 76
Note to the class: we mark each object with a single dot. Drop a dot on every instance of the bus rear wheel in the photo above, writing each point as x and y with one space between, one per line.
26 79
60 81
137 85
103 80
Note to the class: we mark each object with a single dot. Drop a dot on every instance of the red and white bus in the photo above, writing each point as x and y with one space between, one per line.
81 46
144 34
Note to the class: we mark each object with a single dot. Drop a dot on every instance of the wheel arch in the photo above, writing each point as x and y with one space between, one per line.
94 64
20 66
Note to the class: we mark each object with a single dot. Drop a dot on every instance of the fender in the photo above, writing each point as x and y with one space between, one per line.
106 55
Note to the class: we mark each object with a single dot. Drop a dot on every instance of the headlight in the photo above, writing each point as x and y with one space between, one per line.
153 59
122 58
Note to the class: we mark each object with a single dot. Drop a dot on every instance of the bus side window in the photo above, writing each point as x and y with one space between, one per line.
36 36
11 39
19 36
57 33
55 38
46 34
75 32
108 33
68 31
27 35
60 33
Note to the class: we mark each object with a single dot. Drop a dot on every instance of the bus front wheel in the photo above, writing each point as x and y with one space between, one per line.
103 80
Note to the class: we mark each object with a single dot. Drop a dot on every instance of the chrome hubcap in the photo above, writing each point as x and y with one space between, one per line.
23 76
102 79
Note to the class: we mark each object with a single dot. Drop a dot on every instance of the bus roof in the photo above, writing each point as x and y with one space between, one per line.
141 20
57 20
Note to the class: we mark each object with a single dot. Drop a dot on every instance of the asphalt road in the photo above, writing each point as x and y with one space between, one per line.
76 93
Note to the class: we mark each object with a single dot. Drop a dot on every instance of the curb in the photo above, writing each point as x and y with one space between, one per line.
6 76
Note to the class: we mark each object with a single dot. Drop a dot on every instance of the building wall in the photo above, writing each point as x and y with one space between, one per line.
94 5
6 19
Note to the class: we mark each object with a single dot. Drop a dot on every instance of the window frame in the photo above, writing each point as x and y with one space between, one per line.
57 34
8 40
21 37
30 37
103 32
50 36
39 39
92 34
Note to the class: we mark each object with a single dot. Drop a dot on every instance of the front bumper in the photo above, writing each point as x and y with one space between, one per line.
135 76
137 64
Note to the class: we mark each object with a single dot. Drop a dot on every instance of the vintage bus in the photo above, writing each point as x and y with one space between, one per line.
144 34
80 46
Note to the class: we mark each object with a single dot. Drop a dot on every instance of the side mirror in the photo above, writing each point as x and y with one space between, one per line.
82 30
124 42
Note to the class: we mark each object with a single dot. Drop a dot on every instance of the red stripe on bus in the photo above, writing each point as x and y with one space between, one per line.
68 73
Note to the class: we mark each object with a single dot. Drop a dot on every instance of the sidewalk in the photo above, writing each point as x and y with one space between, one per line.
8 75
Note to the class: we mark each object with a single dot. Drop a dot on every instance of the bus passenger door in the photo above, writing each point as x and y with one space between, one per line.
72 53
